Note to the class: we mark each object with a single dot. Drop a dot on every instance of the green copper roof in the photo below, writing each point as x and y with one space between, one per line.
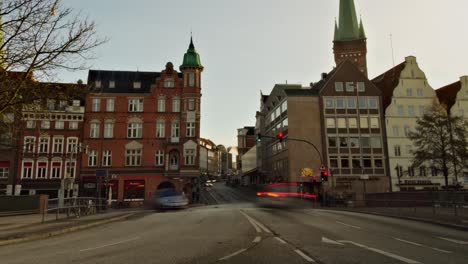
348 28
191 57
362 33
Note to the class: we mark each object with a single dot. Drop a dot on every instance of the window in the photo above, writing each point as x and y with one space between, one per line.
45 124
362 103
350 87
340 103
409 92
70 169
373 103
331 123
73 125
92 158
422 171
43 145
51 104
160 129
352 122
136 85
110 105
361 86
434 171
375 142
94 130
400 110
396 131
329 103
374 122
399 170
175 131
285 123
97 84
30 124
161 104
29 144
367 162
107 158
344 142
57 145
191 104
332 142
134 130
344 162
72 145
411 171
27 169
351 102
338 86
365 142
56 169
356 162
364 122
341 122
189 157
421 110
378 163
191 79
333 162
159 158
111 84
4 171
133 157
407 131
41 169
135 105
397 150
354 142
284 106
176 105
108 129
278 112
190 129
96 105
59 124
411 110
419 92
169 83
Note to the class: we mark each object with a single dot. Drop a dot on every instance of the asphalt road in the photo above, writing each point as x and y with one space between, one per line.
237 229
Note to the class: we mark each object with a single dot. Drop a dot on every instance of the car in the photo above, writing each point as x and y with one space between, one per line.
213 181
169 198
208 181
208 184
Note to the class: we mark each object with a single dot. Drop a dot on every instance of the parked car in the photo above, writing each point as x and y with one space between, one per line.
169 199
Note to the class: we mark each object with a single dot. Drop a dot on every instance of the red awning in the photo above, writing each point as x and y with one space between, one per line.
42 164
5 163
27 164
56 164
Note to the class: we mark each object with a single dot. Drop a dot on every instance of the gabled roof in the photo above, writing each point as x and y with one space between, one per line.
448 94
387 82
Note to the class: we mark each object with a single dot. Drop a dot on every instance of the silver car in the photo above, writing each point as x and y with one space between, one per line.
169 198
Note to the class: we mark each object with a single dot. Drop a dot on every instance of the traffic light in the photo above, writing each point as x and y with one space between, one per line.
280 136
324 175
259 137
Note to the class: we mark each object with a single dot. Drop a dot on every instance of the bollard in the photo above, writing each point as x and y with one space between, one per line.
43 211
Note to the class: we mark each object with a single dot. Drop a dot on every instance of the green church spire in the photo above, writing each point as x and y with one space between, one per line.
348 27
191 57
362 32
337 32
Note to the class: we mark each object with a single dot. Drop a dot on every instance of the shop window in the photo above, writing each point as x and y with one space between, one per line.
134 190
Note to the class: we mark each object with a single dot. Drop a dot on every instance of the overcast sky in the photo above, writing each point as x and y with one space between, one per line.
249 45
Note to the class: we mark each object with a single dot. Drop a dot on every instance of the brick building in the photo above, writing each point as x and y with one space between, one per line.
246 139
142 130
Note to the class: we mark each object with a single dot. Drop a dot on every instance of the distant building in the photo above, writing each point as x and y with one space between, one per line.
209 157
246 138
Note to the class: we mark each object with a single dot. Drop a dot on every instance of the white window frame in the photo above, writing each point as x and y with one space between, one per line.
374 122
70 167
133 157
94 130
339 87
108 129
189 157
55 172
160 128
29 144
41 172
45 124
175 129
110 105
96 105
59 124
106 158
190 130
42 145
191 104
72 145
331 122
57 142
4 172
135 130
135 105
73 125
169 83
191 81
30 124
159 158
176 105
161 104
361 87
29 169
136 85
329 103
92 158
111 84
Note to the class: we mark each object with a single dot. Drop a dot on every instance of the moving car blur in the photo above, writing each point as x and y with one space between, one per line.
169 199
284 195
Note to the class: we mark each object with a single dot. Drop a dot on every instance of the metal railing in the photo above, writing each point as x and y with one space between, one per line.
74 207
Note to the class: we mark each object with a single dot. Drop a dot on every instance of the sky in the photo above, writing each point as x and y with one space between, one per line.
247 46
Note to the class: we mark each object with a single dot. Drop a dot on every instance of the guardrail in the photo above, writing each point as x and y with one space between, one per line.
74 207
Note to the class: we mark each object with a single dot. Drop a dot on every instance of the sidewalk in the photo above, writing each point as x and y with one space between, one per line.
15 229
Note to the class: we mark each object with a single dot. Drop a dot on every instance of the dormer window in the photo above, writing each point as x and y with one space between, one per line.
169 83
111 84
97 84
136 85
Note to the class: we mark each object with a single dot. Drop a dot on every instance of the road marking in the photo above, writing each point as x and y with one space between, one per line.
388 254
348 225
280 240
262 226
454 240
257 239
329 241
300 253
421 245
108 245
252 222
233 254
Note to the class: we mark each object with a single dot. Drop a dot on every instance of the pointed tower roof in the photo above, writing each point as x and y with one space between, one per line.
191 57
348 28
362 32
337 32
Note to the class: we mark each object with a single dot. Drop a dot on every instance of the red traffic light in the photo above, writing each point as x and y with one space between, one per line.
280 135
325 173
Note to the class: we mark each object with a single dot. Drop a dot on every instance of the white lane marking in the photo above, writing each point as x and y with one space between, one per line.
388 254
304 256
233 254
252 222
330 241
280 240
421 245
262 226
454 240
257 239
348 225
108 245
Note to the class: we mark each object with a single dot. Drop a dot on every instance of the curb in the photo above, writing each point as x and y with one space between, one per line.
63 231
428 221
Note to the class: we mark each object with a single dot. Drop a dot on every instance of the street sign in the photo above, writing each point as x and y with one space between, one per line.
307 172
101 173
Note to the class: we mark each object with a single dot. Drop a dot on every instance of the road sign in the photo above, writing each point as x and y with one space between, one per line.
101 173
307 172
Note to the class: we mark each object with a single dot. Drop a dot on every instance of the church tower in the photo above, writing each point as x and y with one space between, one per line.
350 40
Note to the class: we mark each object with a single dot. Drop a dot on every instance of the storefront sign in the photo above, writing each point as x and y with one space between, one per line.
89 185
